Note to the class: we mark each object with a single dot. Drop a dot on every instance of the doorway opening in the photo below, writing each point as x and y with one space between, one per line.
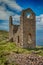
18 39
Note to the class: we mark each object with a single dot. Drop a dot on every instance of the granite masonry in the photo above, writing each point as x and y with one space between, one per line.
24 35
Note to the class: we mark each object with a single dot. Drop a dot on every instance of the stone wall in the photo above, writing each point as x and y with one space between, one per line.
10 29
24 35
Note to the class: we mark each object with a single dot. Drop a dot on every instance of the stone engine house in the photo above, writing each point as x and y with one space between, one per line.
24 35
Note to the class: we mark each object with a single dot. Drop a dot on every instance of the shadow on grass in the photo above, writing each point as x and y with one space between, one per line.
35 49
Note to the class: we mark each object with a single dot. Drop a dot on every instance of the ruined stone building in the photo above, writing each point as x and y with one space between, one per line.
24 35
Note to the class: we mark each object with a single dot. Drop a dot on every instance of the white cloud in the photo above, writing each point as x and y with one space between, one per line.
39 22
13 4
4 25
4 13
16 17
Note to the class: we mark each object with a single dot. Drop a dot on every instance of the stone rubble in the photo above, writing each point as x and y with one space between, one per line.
25 59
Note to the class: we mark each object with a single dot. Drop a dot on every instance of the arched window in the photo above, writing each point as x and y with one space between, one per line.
29 38
27 15
30 35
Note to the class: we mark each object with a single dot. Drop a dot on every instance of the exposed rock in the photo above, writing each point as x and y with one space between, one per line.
25 59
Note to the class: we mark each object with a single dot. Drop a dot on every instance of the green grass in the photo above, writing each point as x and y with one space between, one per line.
3 35
12 47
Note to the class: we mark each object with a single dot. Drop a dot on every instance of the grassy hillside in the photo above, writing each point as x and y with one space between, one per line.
3 35
9 47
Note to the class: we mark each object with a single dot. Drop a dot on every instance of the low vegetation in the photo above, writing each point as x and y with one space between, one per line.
3 35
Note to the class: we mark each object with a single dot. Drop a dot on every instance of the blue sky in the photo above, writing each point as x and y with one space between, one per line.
14 8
